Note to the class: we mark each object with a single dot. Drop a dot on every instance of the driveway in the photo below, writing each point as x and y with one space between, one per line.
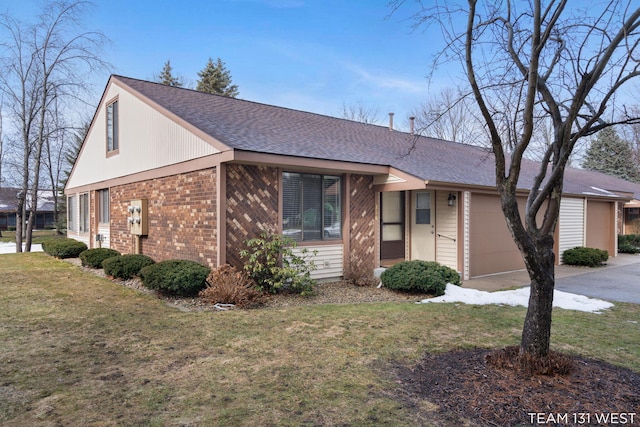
619 280
614 283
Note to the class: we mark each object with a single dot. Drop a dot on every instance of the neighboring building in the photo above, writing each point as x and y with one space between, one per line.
180 174
9 205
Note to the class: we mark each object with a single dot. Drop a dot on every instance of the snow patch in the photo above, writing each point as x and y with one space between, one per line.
519 297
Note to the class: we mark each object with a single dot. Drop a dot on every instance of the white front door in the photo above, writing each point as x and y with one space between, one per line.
423 225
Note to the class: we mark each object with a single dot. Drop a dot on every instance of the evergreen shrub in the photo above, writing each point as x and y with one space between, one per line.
175 277
63 247
629 243
589 257
274 264
420 276
93 257
126 266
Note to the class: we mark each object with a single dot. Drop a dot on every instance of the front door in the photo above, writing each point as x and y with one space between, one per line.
423 226
392 225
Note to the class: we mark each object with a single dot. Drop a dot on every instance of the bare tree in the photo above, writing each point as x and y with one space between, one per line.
44 65
451 116
525 61
360 112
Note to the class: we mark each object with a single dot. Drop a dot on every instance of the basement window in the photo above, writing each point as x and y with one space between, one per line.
311 207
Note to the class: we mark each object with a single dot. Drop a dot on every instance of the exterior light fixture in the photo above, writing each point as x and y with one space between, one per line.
451 200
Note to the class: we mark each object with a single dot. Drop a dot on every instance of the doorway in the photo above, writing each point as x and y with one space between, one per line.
392 225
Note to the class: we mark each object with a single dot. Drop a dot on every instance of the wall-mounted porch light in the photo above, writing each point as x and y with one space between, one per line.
451 200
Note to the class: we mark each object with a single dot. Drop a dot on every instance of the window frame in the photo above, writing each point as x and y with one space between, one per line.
72 224
103 204
84 221
112 126
325 231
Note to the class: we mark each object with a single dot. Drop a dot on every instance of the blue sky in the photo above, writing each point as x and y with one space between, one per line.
312 55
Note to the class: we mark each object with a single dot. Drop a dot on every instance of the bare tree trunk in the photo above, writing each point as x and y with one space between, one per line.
536 332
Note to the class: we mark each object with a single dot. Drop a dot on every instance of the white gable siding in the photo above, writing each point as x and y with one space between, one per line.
571 224
147 140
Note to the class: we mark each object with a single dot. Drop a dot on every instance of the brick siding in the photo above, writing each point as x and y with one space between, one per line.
252 206
181 217
362 257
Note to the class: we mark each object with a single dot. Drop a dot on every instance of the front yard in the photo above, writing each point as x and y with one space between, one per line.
78 349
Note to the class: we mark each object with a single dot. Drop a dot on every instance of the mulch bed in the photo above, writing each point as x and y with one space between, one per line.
463 386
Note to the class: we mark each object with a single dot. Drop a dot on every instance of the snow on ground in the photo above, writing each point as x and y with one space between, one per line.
10 248
520 296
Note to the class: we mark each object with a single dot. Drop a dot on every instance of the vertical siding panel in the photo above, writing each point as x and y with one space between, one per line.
571 224
447 230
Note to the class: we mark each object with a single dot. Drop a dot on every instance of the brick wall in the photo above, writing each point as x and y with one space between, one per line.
362 256
252 205
181 217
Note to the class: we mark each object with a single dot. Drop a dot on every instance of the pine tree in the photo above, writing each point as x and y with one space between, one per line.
612 155
166 76
216 79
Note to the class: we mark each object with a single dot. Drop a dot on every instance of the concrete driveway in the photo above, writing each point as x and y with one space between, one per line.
618 281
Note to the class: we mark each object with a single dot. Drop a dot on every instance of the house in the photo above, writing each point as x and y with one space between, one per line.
179 174
9 206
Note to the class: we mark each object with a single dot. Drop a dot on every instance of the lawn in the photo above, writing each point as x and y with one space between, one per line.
81 350
38 236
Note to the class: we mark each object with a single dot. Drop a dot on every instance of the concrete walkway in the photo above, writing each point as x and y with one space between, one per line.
496 282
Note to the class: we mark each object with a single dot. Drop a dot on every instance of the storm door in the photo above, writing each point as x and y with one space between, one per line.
392 225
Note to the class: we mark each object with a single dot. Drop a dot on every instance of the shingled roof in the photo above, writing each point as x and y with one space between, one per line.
254 127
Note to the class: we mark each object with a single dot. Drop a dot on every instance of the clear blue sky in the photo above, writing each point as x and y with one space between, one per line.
312 55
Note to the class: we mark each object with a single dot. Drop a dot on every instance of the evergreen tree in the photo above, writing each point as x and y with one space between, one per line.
166 76
216 79
612 155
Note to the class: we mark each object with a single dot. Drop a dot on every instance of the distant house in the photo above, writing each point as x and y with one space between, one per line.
9 205
175 173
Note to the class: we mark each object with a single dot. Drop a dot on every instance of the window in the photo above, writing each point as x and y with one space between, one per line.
84 213
311 206
103 205
423 208
71 214
112 127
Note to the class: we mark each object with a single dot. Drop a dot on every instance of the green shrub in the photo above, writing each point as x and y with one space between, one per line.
175 277
126 266
629 243
590 257
420 276
93 257
63 247
275 267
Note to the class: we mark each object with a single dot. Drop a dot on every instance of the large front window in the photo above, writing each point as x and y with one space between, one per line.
311 206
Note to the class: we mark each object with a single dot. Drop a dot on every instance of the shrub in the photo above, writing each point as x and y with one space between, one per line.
63 247
420 276
590 257
274 265
126 266
227 285
629 243
360 275
93 257
175 277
